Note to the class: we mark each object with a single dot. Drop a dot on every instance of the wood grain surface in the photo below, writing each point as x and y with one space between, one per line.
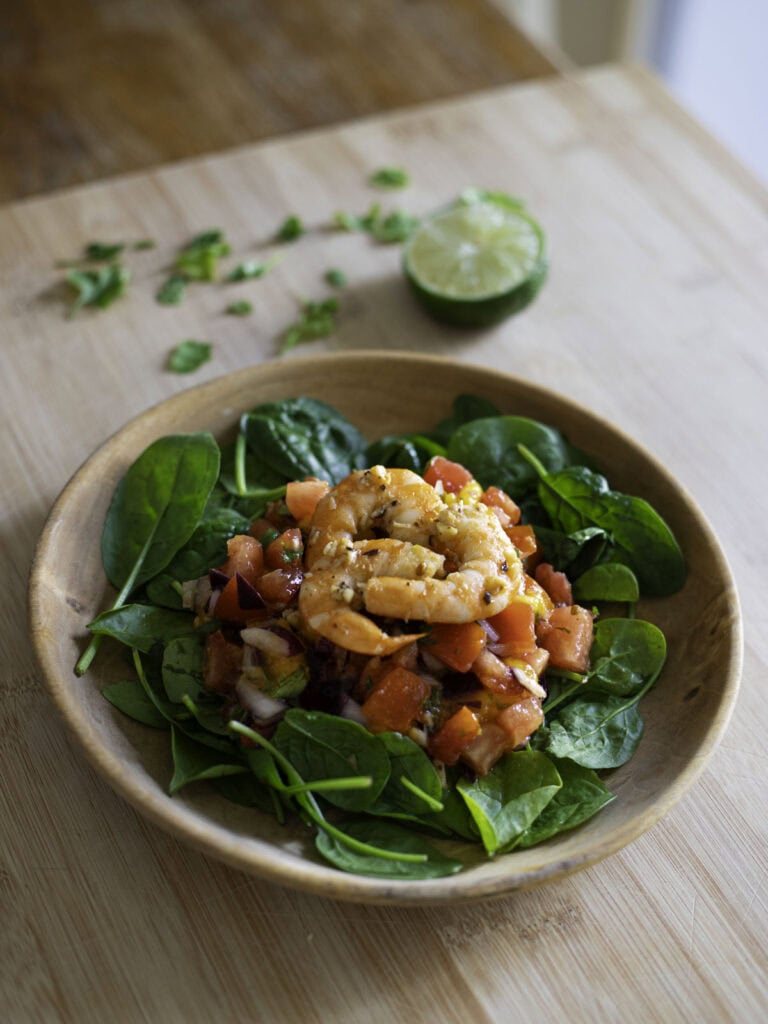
119 85
653 316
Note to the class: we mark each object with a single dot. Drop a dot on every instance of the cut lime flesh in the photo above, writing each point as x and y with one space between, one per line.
476 263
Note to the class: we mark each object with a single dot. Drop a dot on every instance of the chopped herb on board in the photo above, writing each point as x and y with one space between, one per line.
241 308
290 229
249 270
188 356
198 260
317 320
335 278
97 252
389 177
172 292
143 244
386 228
98 288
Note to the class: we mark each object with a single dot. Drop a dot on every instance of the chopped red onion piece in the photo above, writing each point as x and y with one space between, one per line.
247 596
267 641
188 592
265 709
432 663
351 709
493 636
217 579
295 645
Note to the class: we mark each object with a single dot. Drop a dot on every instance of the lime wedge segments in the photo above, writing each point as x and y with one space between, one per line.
475 263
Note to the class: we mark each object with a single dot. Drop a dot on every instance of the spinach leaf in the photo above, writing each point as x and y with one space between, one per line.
626 655
581 796
129 697
571 553
611 581
577 498
465 409
141 626
208 711
322 746
455 816
403 451
407 761
387 836
193 762
157 505
182 669
489 449
205 548
506 801
255 471
246 791
595 733
302 437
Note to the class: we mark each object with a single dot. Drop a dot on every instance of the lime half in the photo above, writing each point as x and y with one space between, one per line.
476 263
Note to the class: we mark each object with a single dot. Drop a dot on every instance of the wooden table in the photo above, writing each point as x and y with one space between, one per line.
654 315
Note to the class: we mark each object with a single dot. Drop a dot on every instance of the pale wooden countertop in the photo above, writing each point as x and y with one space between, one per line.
654 315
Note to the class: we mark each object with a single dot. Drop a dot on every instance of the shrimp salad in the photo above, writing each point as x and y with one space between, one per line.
408 646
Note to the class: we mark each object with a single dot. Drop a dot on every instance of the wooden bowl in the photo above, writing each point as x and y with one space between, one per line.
685 714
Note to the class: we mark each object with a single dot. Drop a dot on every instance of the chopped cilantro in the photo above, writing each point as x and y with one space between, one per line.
251 269
335 278
188 356
99 287
392 227
290 229
172 292
198 261
241 308
97 252
144 243
389 177
317 320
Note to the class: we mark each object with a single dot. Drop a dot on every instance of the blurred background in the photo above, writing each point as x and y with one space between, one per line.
710 53
93 88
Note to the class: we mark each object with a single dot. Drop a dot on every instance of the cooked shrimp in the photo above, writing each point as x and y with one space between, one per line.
334 591
489 573
393 502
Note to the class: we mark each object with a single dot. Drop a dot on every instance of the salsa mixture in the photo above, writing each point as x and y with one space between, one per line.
397 642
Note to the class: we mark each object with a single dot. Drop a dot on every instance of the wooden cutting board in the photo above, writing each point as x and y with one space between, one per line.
654 316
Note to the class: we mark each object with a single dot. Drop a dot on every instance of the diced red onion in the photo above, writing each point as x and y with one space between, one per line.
295 645
265 709
432 663
213 601
493 636
529 681
351 709
248 598
217 579
267 641
188 593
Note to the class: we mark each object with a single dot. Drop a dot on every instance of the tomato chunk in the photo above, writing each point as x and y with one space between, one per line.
285 550
524 539
452 475
457 646
450 742
556 584
516 629
486 749
520 720
395 701
223 663
246 556
567 635
302 496
494 497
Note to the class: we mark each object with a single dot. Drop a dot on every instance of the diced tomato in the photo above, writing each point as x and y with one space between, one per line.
263 531
567 635
452 475
457 646
494 497
515 627
493 673
223 663
279 587
524 539
395 701
450 742
285 550
537 659
486 749
556 584
520 720
246 556
239 601
302 496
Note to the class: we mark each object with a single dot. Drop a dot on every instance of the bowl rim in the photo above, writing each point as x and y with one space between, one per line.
260 857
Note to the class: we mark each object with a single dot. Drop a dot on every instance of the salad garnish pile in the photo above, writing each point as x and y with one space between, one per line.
402 643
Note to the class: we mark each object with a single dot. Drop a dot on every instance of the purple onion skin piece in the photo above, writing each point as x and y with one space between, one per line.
217 579
248 597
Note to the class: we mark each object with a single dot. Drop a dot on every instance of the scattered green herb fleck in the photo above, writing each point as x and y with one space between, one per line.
251 269
99 287
317 320
335 278
386 228
98 252
241 308
389 177
291 229
198 261
172 292
144 243
188 356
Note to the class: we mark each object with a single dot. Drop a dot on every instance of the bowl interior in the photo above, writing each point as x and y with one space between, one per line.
382 393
